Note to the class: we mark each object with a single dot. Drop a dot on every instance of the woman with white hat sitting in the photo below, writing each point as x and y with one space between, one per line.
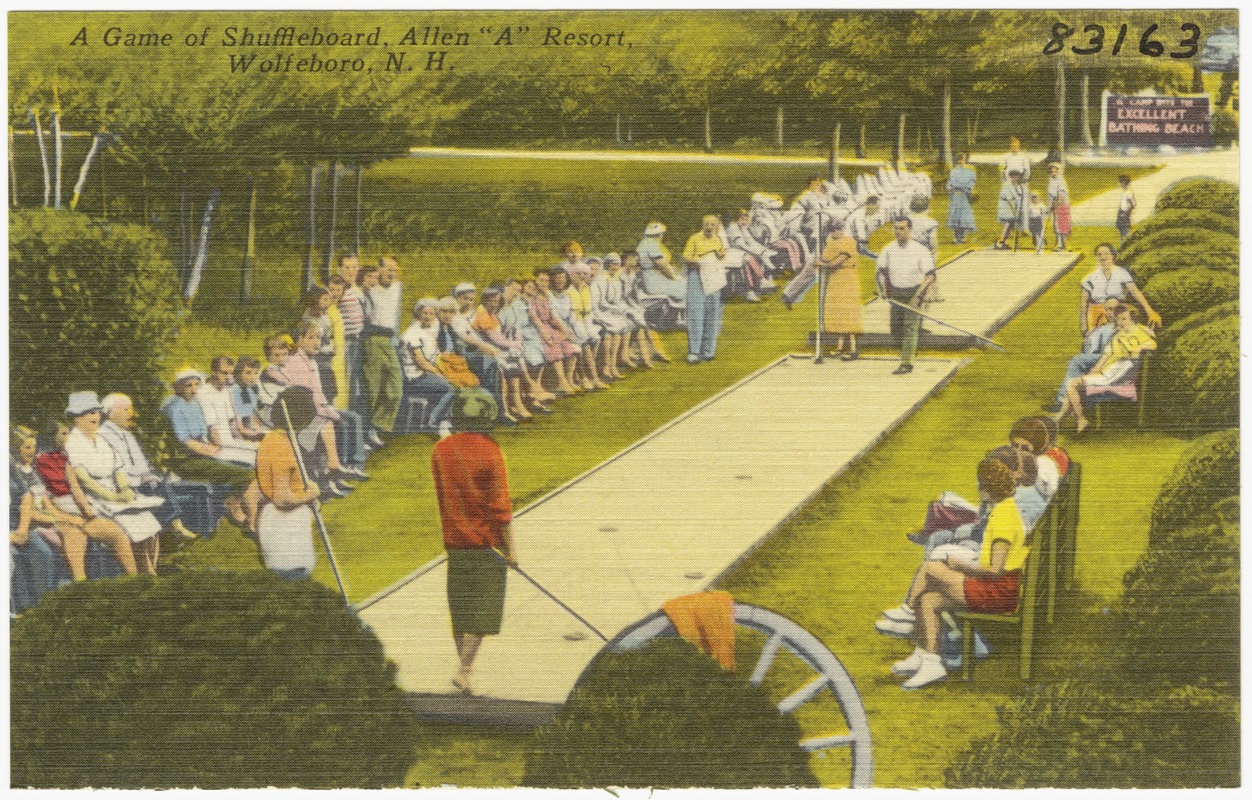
659 275
104 481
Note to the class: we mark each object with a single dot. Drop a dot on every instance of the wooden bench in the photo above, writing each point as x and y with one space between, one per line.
1097 402
1049 567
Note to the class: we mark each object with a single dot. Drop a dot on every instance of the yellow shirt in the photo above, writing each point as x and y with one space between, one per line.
1004 524
275 457
700 245
338 362
844 244
1128 344
580 300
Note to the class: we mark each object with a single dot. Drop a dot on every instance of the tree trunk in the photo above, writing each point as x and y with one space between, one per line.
146 219
81 184
184 234
900 141
836 140
202 247
56 159
356 239
1087 141
104 189
617 128
1197 78
1060 108
249 250
43 158
946 133
779 127
708 130
860 142
333 172
307 279
12 172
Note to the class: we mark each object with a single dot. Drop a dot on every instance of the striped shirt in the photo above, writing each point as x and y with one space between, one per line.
352 309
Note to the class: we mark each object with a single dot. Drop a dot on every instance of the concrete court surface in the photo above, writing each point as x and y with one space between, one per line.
664 518
981 290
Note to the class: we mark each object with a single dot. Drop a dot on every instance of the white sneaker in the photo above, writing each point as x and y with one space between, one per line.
930 671
766 283
751 296
901 613
374 440
910 665
889 627
445 429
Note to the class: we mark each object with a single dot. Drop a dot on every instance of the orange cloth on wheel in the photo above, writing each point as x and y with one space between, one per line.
707 620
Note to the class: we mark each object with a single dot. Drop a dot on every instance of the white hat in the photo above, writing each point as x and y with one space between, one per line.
612 258
461 288
425 302
654 229
187 372
82 403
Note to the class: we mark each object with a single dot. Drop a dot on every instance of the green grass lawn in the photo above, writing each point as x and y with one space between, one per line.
840 561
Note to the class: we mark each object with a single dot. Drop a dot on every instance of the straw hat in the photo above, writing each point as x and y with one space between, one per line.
83 403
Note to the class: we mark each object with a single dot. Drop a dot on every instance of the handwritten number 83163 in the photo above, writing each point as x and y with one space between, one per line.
1149 46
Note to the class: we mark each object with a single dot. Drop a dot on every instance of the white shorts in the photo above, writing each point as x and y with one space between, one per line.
286 538
1113 374
966 551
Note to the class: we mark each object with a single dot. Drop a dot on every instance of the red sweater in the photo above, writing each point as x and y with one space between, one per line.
473 490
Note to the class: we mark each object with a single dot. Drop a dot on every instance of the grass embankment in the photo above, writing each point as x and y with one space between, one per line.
390 525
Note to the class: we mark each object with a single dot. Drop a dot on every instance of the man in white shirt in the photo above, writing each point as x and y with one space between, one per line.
1016 160
218 406
906 271
380 361
117 430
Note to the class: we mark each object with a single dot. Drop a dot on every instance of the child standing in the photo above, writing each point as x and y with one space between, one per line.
1035 214
1125 206
1058 202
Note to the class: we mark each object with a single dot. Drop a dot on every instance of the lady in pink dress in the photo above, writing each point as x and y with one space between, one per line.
558 350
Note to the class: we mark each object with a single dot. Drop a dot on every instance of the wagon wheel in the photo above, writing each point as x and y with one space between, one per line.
782 632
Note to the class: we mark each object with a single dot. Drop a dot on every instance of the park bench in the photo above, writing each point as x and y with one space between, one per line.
1131 390
1049 567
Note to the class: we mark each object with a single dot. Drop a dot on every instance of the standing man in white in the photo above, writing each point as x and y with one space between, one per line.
906 271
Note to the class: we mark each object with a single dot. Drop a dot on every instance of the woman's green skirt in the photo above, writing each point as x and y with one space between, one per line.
475 591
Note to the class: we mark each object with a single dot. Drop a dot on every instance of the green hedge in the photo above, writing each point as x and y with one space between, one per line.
1174 329
667 716
203 679
1105 732
1225 127
1182 604
1198 240
1174 257
1207 473
1179 218
91 306
1184 292
1201 194
1195 379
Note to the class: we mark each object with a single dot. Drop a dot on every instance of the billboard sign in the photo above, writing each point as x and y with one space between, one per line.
1154 120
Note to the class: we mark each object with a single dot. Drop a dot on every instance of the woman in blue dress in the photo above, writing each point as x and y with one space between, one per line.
659 274
960 198
515 316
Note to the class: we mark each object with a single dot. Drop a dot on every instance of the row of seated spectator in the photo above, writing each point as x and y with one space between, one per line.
974 552
86 501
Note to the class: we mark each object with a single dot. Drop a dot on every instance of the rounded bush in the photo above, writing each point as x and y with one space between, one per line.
1198 240
1103 732
203 679
1207 473
1175 329
667 716
1225 127
1181 606
1195 379
91 306
1183 292
1200 194
1148 265
1179 218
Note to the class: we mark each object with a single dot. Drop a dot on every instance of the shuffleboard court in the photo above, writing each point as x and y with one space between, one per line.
664 518
981 291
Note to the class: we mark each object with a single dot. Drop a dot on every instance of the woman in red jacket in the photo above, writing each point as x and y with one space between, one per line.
474 506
